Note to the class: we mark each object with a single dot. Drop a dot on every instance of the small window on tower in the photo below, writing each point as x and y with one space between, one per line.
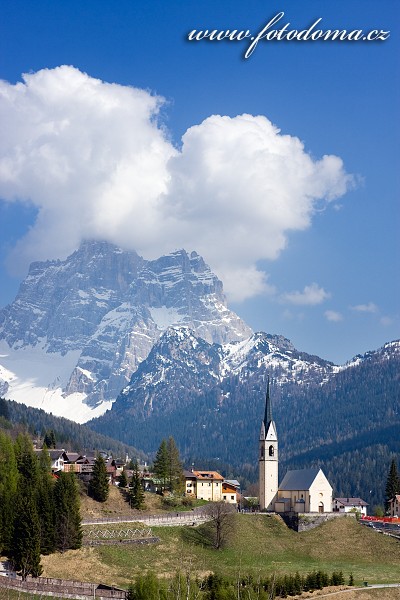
271 450
262 451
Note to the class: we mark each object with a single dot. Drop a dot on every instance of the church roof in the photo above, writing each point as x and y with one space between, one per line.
300 479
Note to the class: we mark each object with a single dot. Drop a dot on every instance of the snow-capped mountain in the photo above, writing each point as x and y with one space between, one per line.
79 328
211 397
181 365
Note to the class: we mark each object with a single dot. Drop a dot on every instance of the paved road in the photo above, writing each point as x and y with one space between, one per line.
356 589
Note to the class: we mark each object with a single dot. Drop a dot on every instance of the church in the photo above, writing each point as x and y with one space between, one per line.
301 491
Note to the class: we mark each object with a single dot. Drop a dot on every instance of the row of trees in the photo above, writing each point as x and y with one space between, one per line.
39 513
214 587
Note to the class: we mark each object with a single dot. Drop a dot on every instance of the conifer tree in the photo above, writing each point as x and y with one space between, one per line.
25 552
27 462
8 491
160 466
98 485
136 493
123 480
4 412
25 549
68 534
49 439
392 484
45 503
175 470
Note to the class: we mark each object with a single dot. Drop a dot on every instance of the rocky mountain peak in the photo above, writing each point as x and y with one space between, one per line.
96 315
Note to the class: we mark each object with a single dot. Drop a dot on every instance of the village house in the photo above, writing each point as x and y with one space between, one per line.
231 491
345 505
81 465
56 458
204 485
211 486
394 506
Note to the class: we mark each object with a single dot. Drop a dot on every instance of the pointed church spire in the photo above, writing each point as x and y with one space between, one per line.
268 408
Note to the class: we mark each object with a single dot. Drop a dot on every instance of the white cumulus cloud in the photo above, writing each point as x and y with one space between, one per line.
96 163
333 315
311 295
366 308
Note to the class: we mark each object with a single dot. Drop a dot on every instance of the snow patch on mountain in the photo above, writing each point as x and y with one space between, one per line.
37 378
164 317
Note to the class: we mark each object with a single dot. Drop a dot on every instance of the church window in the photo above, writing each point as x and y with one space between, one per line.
271 450
262 452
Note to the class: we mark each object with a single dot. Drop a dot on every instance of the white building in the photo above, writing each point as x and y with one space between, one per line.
345 505
305 490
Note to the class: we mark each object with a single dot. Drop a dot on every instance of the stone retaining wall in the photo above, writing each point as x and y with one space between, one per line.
62 588
306 521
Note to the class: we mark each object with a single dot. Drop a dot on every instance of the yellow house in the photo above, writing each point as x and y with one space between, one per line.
204 485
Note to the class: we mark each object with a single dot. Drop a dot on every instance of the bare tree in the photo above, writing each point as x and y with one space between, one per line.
221 522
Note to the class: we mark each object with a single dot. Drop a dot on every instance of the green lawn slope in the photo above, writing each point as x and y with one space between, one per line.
259 545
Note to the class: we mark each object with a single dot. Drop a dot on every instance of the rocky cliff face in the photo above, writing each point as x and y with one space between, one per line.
102 309
182 366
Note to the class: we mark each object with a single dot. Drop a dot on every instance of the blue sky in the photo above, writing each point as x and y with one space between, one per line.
330 282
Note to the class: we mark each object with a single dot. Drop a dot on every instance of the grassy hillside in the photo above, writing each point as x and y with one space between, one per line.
260 545
117 506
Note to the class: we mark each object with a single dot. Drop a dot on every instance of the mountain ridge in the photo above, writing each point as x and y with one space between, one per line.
87 322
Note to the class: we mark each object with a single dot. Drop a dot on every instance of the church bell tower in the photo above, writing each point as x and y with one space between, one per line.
268 458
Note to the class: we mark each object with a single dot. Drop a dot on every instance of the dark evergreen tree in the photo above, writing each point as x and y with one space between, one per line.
123 481
27 462
68 534
136 493
146 587
392 484
351 579
160 466
45 504
98 485
50 439
4 412
8 491
25 552
175 470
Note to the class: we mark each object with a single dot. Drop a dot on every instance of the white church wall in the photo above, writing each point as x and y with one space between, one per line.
320 496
